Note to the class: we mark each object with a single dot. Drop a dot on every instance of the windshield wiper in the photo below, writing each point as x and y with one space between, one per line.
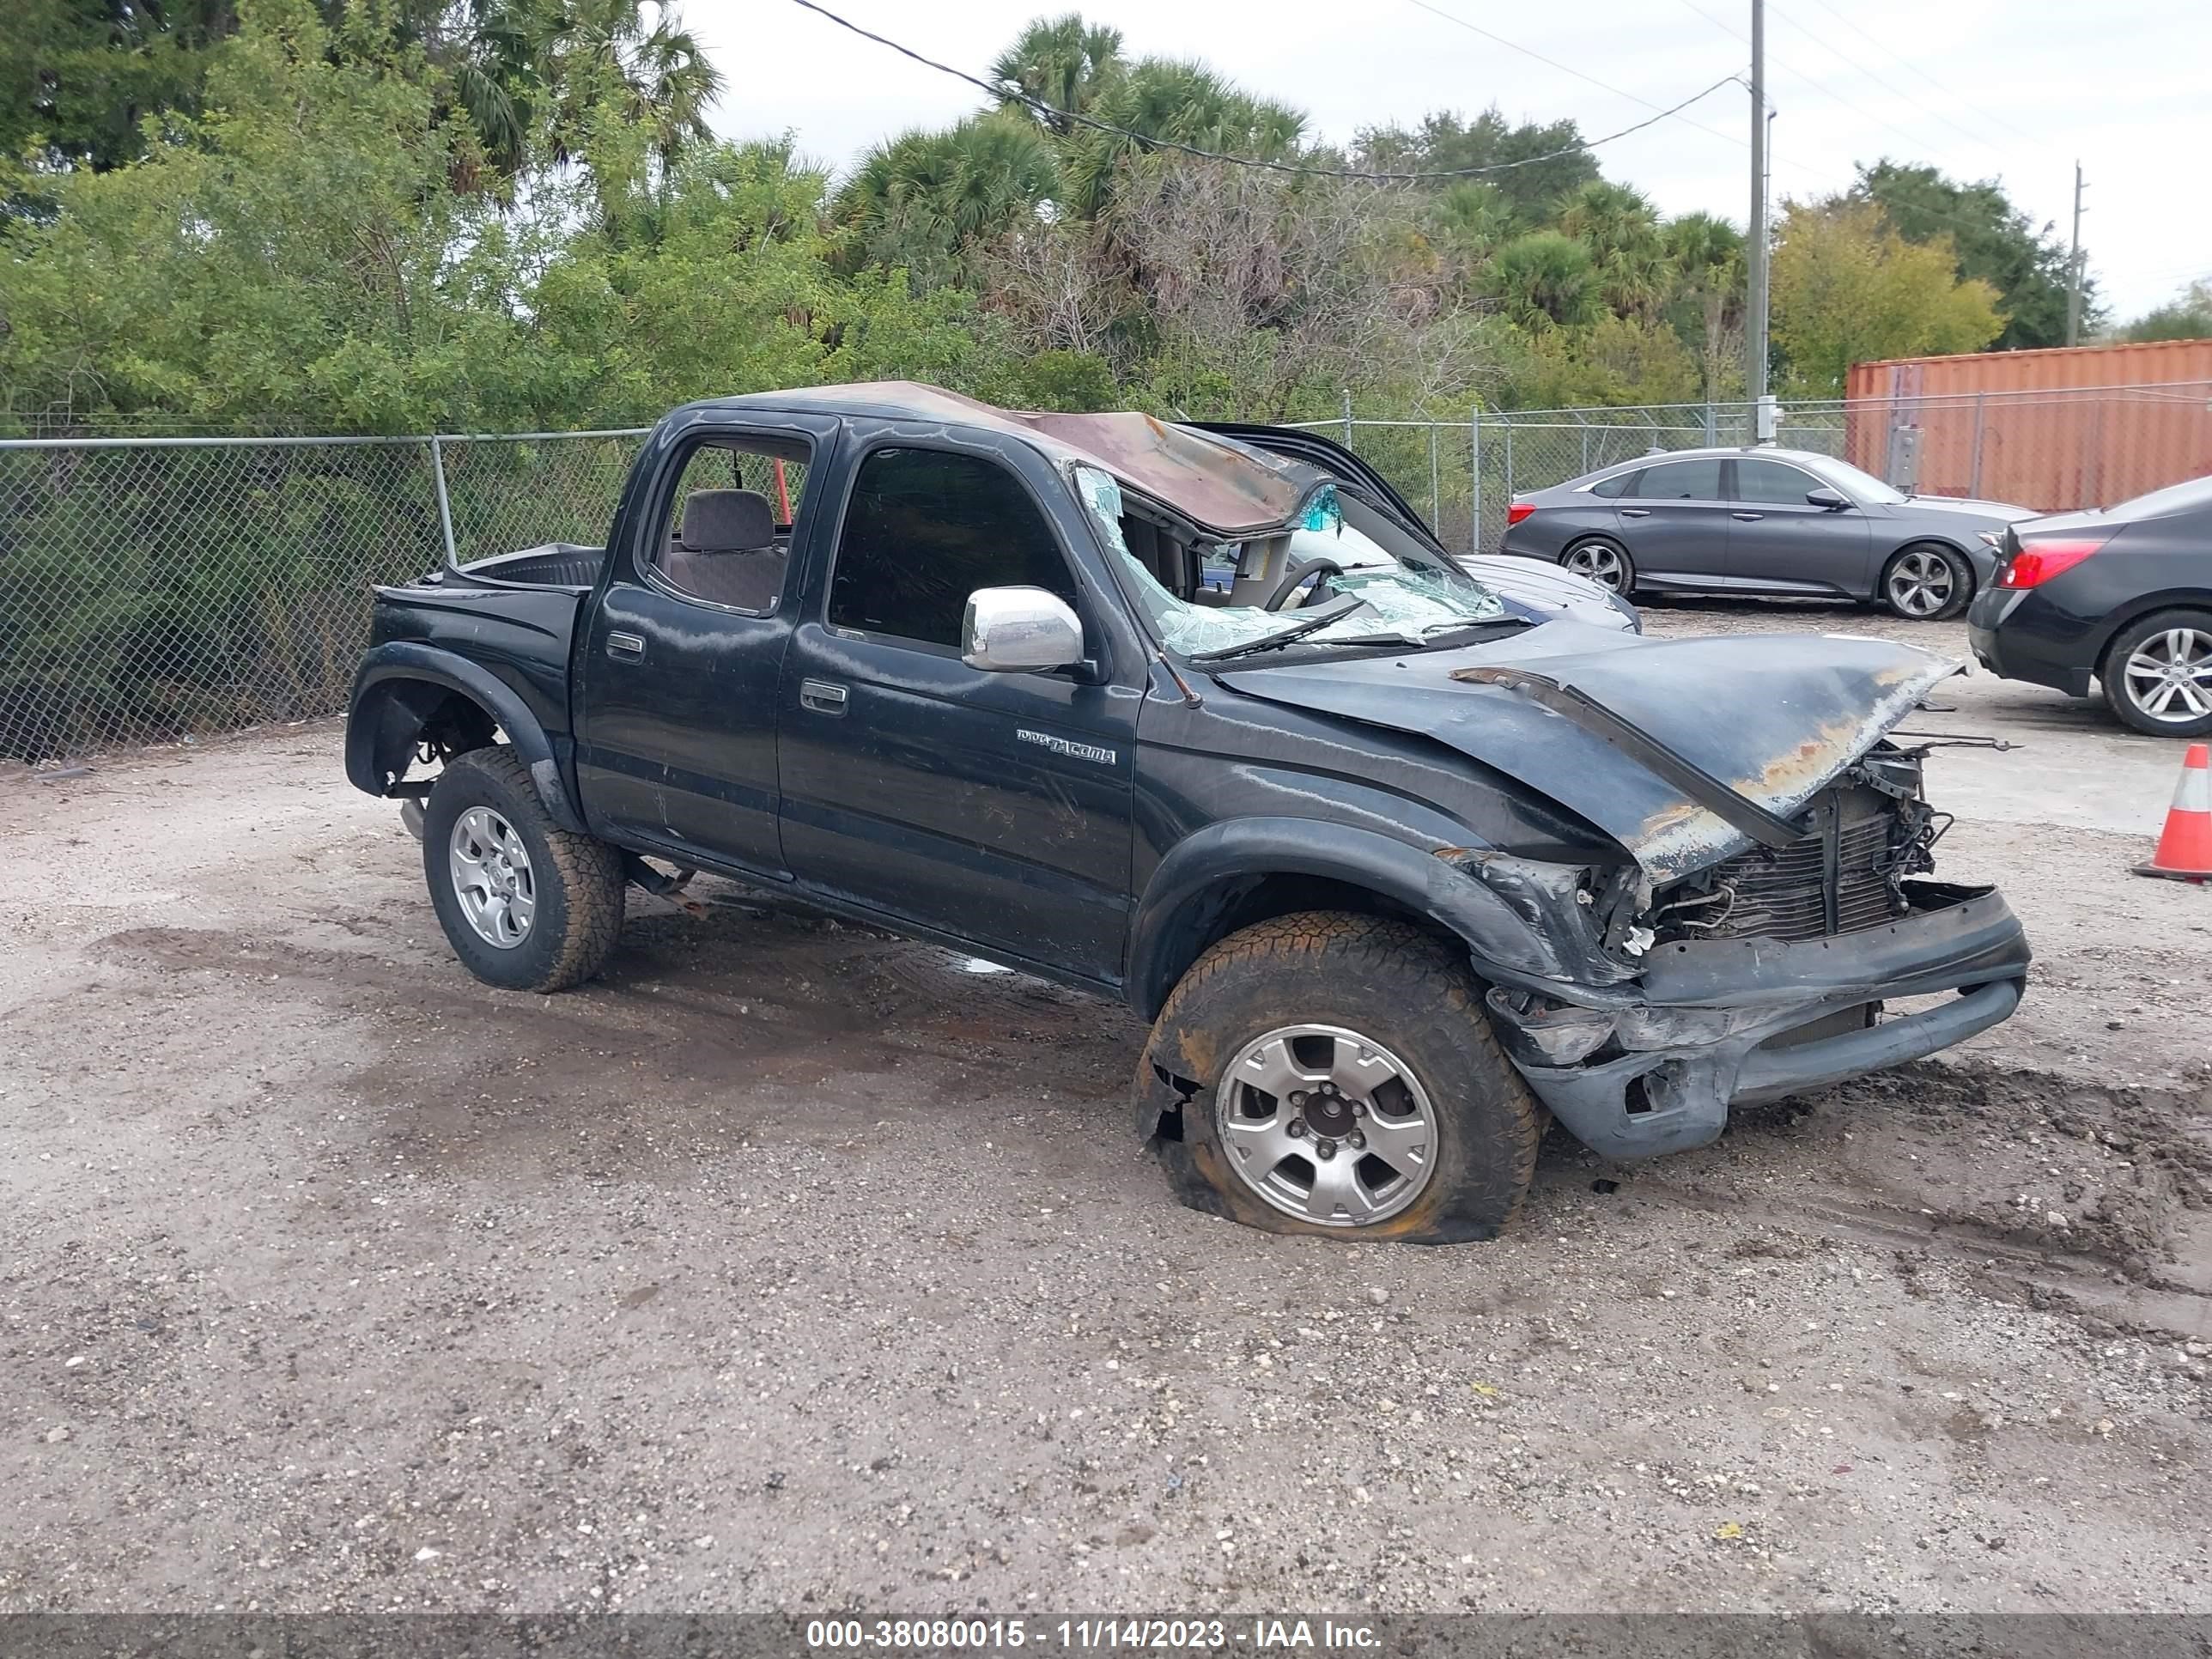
1309 622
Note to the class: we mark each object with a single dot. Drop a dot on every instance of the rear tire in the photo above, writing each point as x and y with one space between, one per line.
2136 678
1603 561
1926 582
526 905
1435 1143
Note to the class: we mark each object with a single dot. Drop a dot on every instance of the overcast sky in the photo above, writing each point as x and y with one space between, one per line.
2015 89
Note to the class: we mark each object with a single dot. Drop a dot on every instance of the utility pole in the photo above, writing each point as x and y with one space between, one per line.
1754 330
2073 263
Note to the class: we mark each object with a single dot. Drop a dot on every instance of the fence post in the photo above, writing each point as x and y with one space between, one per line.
1347 417
1981 402
445 507
1474 476
1712 426
1509 460
1436 481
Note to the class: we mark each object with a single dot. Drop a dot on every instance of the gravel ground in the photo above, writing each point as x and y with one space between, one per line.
790 1266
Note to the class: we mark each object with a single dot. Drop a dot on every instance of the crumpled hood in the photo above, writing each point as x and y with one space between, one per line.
1776 717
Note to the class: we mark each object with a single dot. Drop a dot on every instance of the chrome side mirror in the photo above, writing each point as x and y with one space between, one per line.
1011 630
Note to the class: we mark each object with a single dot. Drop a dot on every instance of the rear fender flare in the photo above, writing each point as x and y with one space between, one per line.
388 708
1180 906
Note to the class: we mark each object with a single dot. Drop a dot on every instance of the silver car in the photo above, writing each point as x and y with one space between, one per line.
1764 521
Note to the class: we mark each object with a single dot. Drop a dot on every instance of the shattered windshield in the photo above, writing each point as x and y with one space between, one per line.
1408 594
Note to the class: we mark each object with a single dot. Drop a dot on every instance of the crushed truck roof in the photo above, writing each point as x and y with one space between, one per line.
1226 488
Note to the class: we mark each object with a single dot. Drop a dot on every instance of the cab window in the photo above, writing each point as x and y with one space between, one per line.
725 535
923 530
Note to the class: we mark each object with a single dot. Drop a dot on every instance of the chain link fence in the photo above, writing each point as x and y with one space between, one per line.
157 588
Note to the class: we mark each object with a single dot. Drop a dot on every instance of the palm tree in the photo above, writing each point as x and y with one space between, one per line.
923 199
1607 217
1545 280
1706 256
1187 103
1063 62
596 55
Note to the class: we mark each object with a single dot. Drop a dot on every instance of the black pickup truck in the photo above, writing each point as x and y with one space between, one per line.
1204 719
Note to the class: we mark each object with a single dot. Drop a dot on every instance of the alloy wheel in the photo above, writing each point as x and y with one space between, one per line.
1326 1125
1920 583
492 876
1599 561
2169 676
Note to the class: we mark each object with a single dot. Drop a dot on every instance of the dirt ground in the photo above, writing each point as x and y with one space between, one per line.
792 1267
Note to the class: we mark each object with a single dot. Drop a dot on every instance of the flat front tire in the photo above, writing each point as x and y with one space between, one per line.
526 905
1334 1074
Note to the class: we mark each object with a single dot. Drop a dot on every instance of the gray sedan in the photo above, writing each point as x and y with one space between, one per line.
1783 522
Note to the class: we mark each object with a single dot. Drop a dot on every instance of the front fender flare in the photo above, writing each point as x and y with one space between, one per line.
1504 937
379 713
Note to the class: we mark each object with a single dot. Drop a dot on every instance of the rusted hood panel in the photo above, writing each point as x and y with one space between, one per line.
1776 717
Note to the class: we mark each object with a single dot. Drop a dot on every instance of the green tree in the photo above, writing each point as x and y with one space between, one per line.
1612 361
1546 280
2188 316
1706 256
1993 240
1444 142
918 203
1061 61
1848 288
81 75
1187 103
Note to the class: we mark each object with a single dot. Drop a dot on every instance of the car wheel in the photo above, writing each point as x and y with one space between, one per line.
1604 562
2157 676
525 905
1927 582
1334 1074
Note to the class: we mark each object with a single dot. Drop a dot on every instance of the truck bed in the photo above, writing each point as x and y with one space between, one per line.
552 564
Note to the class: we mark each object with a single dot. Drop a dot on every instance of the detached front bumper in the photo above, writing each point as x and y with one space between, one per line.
1653 1068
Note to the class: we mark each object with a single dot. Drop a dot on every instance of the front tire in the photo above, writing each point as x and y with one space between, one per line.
1334 1074
526 905
1603 561
2157 675
1927 582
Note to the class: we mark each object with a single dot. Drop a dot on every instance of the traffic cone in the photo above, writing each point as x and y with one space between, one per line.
2184 850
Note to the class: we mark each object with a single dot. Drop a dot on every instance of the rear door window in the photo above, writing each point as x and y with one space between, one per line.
1680 481
1621 484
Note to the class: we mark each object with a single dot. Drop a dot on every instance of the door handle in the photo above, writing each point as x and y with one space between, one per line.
1746 518
626 648
821 697
1635 511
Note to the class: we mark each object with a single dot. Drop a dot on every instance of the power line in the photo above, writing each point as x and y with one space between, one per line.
1813 84
1818 172
1014 94
1875 76
1564 69
1994 120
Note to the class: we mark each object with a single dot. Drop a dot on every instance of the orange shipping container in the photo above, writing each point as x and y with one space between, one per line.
2081 426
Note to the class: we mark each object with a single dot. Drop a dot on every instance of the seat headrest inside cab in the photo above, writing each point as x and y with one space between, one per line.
727 521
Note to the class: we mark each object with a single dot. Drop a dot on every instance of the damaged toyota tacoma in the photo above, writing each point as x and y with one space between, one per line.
1208 720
